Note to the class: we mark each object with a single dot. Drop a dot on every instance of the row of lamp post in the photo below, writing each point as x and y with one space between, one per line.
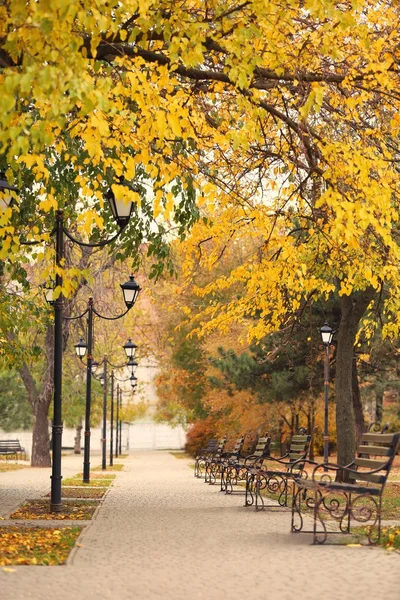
80 348
121 211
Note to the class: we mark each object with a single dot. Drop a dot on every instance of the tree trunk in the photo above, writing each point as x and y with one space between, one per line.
352 309
357 404
311 426
378 406
40 437
77 440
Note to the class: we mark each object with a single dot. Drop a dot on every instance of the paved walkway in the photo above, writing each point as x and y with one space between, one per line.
161 534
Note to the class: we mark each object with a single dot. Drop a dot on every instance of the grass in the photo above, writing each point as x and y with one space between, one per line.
81 492
93 482
390 538
391 501
11 467
36 546
181 454
101 476
116 467
95 475
40 509
5 458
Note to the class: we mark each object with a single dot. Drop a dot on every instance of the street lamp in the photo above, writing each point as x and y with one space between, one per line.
95 366
5 195
80 348
121 211
118 426
121 214
104 383
130 349
133 365
131 291
117 420
327 335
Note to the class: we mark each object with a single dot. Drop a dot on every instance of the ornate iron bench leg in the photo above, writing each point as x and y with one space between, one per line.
249 498
258 487
224 475
207 466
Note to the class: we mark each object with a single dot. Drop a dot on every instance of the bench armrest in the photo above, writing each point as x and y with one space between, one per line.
254 458
259 464
346 469
299 464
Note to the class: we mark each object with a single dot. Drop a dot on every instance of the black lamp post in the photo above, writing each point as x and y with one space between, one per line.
117 421
104 436
120 423
327 335
121 211
130 298
112 420
104 383
130 349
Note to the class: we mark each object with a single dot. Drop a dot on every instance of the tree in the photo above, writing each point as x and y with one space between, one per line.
282 115
14 408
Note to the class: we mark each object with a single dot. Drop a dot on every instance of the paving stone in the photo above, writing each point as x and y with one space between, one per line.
162 534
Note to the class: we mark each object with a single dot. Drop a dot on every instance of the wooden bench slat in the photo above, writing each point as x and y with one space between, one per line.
369 463
383 438
373 477
375 450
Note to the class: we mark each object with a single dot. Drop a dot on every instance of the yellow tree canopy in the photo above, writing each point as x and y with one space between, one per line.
281 116
289 109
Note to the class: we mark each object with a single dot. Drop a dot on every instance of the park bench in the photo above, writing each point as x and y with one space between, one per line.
274 474
11 448
337 494
235 470
213 448
215 465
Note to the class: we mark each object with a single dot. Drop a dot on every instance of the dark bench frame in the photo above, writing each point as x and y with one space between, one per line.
215 466
11 448
356 495
213 449
276 474
235 470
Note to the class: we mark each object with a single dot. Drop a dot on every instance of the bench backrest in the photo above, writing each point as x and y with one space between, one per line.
212 445
219 447
299 447
237 449
14 444
376 452
263 444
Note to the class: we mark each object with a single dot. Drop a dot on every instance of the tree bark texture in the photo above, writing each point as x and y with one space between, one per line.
40 402
357 404
40 436
78 440
352 309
